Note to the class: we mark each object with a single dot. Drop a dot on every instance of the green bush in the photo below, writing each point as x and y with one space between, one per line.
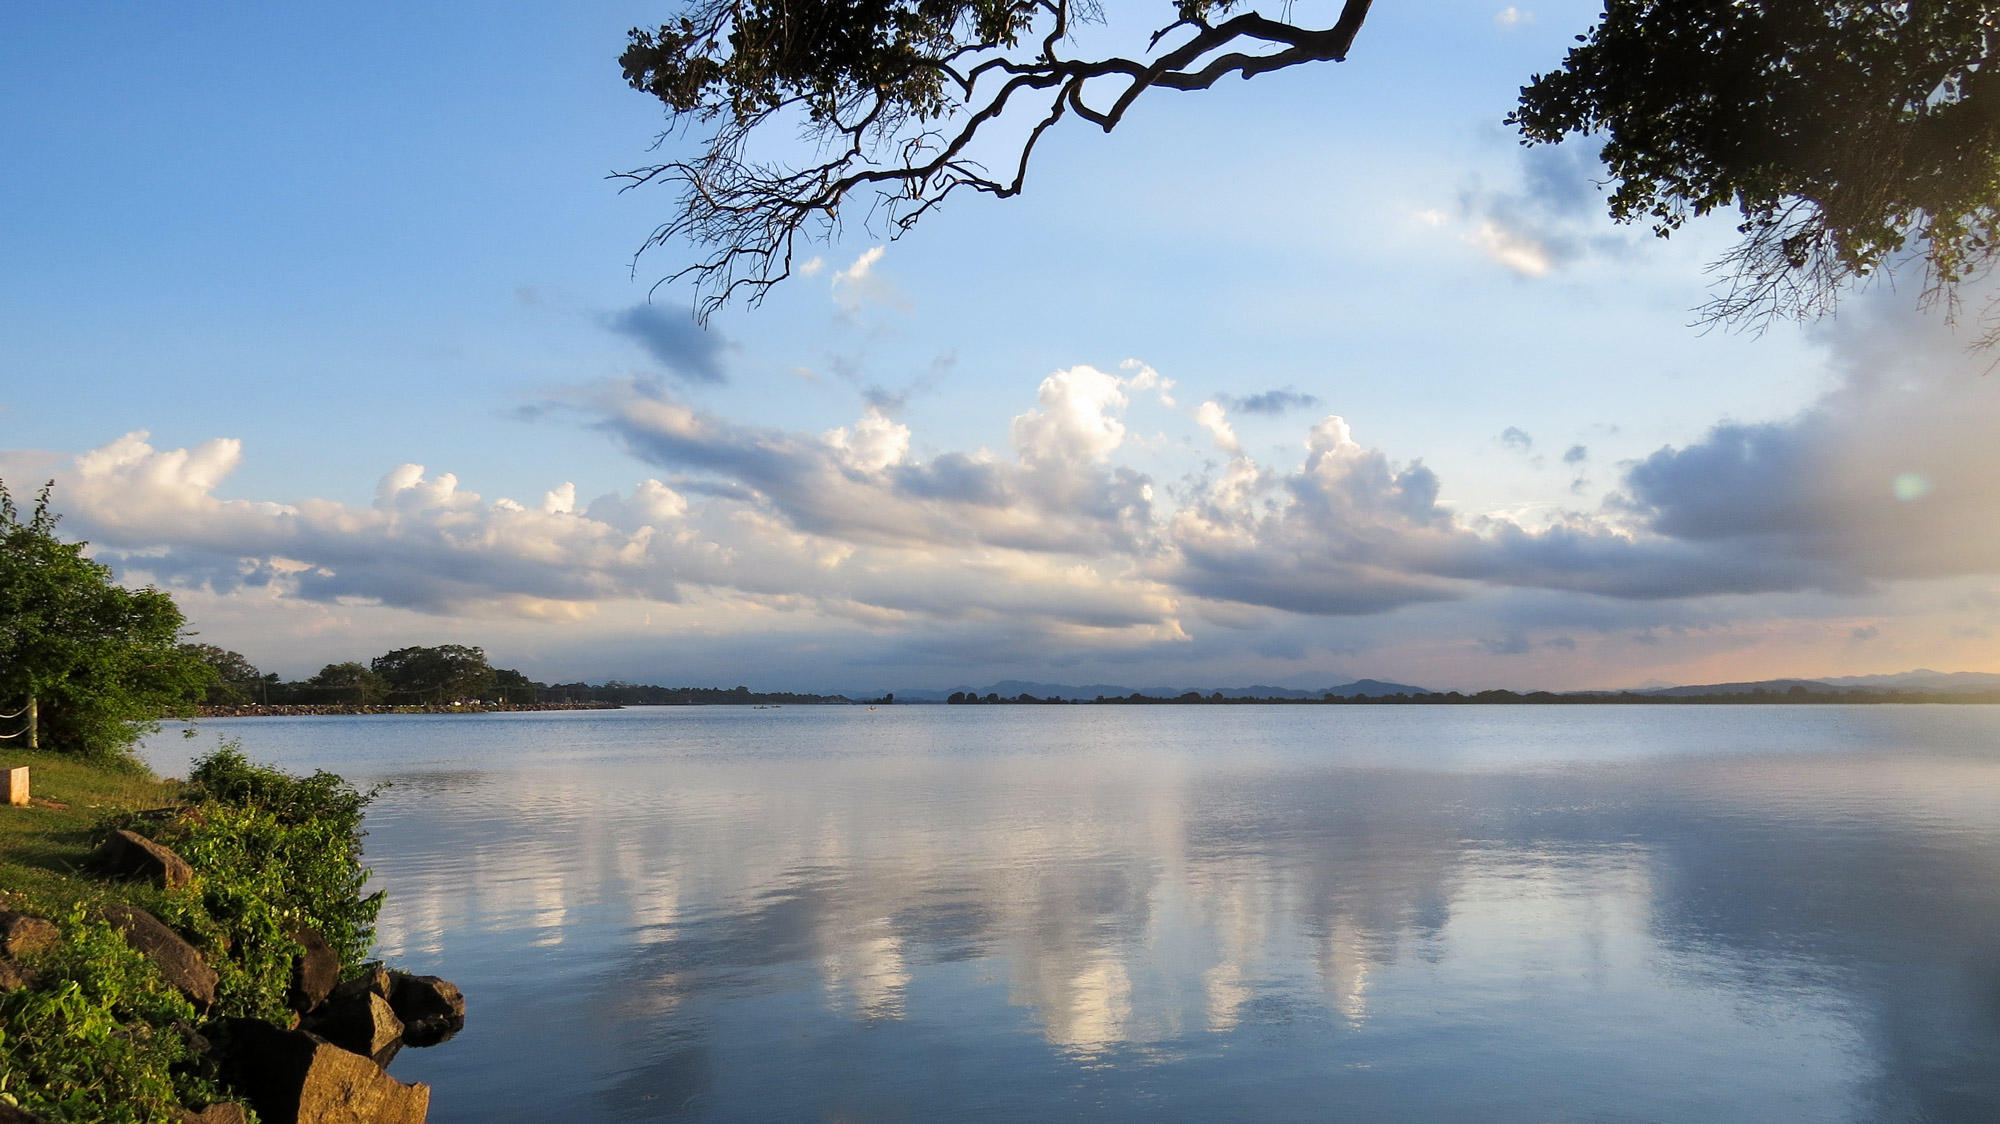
228 777
98 1038
101 1036
272 854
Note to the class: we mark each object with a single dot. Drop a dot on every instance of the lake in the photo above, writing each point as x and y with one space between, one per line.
1269 913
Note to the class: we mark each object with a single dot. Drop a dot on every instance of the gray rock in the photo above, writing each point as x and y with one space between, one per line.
22 935
296 1077
314 971
432 1009
178 961
127 854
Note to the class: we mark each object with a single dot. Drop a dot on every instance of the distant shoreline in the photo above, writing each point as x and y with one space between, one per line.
1511 698
1484 698
297 710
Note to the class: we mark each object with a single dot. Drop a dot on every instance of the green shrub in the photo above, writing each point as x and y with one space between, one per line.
101 1036
228 777
272 854
97 1039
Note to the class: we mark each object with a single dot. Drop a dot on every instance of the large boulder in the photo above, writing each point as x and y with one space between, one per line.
228 1112
360 1021
432 1009
374 977
127 854
177 960
314 970
22 935
296 1077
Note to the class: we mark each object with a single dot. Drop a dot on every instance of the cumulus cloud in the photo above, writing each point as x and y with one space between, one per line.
1056 539
1213 418
683 348
1058 492
1888 476
430 545
1511 16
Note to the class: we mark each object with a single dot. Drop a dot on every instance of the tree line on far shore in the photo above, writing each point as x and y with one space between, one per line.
444 675
415 676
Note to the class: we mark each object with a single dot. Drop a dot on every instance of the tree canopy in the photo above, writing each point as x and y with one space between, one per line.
102 662
234 680
347 683
444 674
1844 132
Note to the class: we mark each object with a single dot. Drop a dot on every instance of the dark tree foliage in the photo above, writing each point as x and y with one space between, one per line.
234 680
898 93
1846 133
646 694
510 686
102 662
349 684
444 674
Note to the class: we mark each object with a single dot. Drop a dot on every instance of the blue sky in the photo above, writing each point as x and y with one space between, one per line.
297 249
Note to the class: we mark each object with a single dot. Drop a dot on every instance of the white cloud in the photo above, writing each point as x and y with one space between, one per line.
1061 539
875 442
859 284
1078 419
1511 16
1211 417
1516 250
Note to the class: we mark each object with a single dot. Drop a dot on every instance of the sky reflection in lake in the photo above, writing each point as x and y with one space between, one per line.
1291 913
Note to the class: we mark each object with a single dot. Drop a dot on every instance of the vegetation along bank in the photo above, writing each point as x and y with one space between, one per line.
198 951
173 951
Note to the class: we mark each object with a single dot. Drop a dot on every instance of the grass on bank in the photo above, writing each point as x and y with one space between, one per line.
42 846
101 1037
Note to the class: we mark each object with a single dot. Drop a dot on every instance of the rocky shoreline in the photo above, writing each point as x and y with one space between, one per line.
293 710
325 1063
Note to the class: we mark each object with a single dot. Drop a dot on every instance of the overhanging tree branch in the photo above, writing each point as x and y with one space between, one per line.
900 120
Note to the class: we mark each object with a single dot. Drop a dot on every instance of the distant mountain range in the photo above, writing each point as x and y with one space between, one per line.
1014 688
1922 681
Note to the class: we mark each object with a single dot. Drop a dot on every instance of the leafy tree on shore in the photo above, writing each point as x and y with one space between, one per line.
103 663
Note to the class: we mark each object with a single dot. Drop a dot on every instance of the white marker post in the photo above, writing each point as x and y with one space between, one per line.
17 787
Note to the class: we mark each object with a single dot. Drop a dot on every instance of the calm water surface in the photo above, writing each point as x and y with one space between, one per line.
1190 913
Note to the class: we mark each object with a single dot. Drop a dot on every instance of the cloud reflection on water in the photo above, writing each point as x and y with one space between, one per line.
1183 917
